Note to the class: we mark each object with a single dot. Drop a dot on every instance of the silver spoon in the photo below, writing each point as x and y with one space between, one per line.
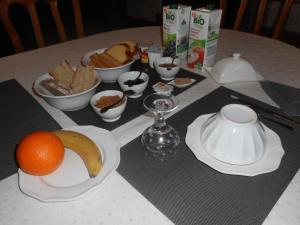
170 67
135 81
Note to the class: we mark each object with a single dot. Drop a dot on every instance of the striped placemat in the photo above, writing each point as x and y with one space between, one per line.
87 116
20 115
189 192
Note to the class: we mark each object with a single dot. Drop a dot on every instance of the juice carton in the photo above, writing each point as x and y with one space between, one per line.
176 22
203 38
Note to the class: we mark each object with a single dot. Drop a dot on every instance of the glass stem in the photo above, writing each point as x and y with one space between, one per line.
159 121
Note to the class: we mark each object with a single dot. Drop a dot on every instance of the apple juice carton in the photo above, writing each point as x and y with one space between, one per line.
203 38
176 20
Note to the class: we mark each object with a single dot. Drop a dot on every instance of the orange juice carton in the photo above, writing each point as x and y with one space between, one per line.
176 20
203 38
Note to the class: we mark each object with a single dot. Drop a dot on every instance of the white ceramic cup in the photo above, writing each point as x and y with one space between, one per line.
152 56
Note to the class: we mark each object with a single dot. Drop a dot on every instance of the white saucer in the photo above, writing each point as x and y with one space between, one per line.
172 82
71 180
163 88
268 163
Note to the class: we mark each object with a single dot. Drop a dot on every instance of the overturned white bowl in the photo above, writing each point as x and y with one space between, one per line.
108 75
233 69
234 135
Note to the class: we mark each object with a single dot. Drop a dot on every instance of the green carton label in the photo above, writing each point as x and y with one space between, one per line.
170 16
197 43
198 20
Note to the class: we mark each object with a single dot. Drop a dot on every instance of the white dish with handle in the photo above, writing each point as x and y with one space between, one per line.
71 180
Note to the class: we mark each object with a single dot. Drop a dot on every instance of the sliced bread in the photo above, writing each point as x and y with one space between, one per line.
104 60
132 46
63 74
83 79
120 52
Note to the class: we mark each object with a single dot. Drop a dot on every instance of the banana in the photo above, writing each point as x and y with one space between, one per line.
84 147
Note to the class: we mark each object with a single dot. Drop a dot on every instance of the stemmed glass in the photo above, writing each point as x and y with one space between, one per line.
160 140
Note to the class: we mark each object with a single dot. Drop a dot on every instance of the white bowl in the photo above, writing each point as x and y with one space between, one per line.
68 102
139 88
108 75
233 69
164 73
234 135
112 114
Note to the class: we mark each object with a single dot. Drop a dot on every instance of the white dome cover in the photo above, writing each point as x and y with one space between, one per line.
233 69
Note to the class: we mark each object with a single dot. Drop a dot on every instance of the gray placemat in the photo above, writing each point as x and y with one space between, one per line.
20 114
288 98
188 191
134 106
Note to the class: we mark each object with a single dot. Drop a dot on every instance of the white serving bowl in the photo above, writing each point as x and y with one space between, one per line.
139 88
108 75
112 114
234 135
233 69
68 102
164 73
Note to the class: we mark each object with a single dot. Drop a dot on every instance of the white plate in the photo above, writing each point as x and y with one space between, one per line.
172 82
71 180
269 162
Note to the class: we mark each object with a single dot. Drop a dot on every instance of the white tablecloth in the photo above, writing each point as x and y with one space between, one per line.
115 201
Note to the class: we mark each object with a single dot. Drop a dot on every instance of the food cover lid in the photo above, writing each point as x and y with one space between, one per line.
233 69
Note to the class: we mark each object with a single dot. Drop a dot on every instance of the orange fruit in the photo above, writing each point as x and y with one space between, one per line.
40 153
